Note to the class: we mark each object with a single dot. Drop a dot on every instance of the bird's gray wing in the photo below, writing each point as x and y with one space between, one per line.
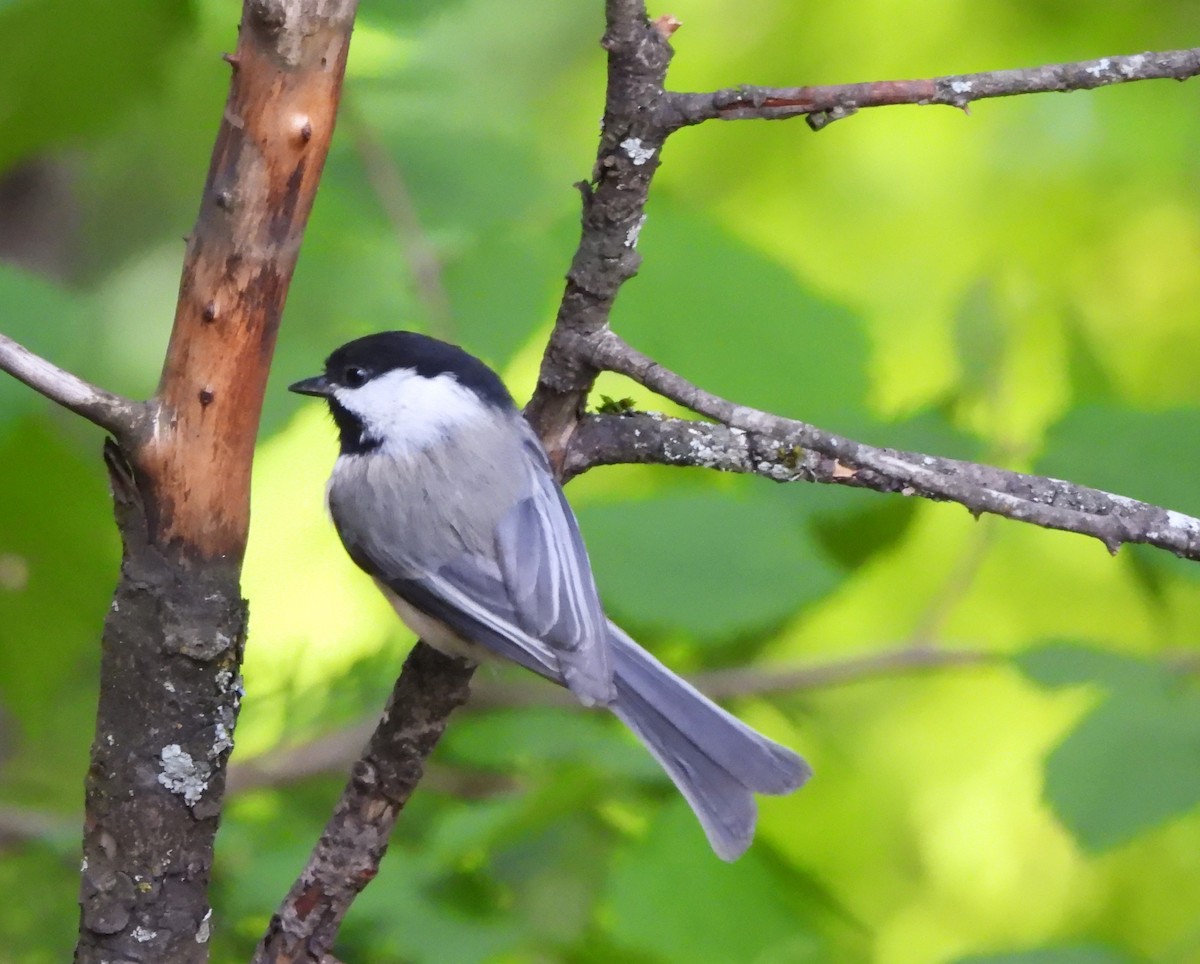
532 599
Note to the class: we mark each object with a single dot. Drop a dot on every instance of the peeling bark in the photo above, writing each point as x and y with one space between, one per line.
268 158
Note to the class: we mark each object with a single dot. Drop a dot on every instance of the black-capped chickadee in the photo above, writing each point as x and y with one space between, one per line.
443 494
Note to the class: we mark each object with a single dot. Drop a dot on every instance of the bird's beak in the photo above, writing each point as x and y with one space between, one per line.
318 386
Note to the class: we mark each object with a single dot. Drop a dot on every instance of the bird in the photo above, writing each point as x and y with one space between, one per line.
443 494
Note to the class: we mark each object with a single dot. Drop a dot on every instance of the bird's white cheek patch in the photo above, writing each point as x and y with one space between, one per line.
407 411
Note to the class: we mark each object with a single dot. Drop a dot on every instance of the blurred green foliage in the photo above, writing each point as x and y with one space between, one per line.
1019 286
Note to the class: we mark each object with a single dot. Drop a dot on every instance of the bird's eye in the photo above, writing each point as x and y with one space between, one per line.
354 377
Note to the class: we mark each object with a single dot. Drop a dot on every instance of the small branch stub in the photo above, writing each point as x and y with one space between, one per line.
666 25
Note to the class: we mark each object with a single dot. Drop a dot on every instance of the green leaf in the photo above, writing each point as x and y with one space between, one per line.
930 431
532 738
58 562
866 525
1129 765
1155 570
45 319
669 897
1143 455
506 281
981 339
727 317
555 872
1059 664
70 67
709 564
1090 381
35 929
402 16
851 525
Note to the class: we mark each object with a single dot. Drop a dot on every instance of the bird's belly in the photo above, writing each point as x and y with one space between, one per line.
434 632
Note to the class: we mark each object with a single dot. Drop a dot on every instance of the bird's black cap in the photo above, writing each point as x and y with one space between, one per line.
361 360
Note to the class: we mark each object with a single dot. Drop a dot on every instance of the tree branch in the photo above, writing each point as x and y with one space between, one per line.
122 417
266 164
347 856
784 449
614 203
828 103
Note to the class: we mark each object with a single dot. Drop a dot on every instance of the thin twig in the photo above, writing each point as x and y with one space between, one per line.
927 627
20 825
333 752
828 103
786 449
113 413
387 181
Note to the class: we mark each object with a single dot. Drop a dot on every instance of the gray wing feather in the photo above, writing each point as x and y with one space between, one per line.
545 568
458 605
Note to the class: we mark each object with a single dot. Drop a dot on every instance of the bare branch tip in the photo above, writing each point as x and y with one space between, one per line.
114 414
666 25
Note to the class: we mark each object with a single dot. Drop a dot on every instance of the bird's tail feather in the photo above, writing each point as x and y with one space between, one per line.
717 761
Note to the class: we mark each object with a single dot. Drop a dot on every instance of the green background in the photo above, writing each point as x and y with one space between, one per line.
1018 285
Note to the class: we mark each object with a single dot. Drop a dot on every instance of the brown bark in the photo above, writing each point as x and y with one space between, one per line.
267 161
173 640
